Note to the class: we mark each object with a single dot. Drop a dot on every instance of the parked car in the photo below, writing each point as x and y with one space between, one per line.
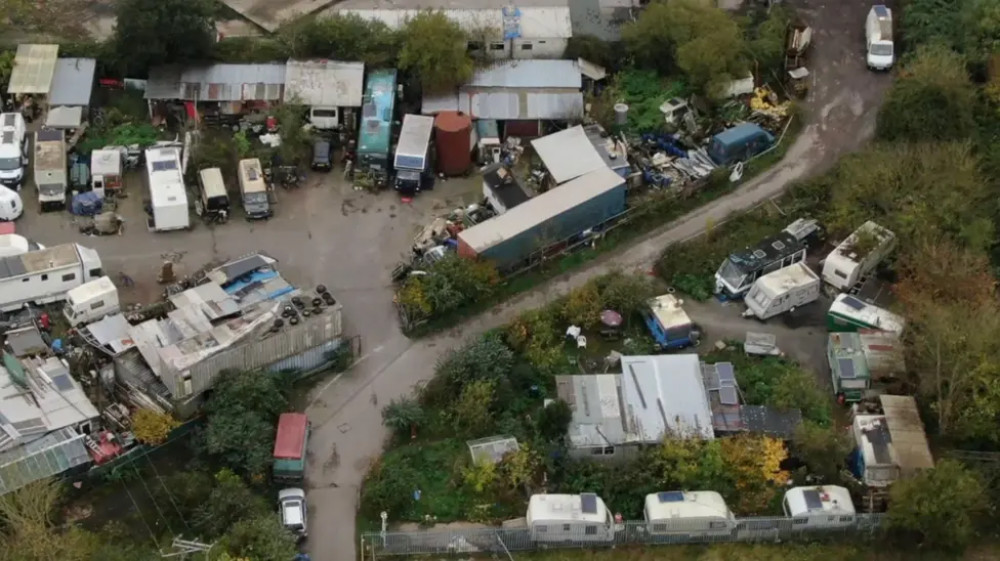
322 155
292 505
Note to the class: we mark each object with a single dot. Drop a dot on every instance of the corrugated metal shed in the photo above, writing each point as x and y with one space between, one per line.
73 81
596 402
539 209
521 105
34 66
537 19
529 74
324 83
568 154
217 82
665 396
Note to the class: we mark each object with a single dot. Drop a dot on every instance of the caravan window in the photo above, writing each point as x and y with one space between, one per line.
590 530
541 528
800 521
69 277
565 527
717 525
847 519
94 273
97 305
45 277
840 274
659 527
332 113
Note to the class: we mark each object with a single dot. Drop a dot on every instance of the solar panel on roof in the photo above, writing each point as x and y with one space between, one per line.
8 137
847 368
728 396
670 497
854 302
726 374
588 503
164 165
813 500
62 382
8 120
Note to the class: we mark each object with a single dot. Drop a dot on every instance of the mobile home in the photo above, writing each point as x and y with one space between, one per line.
782 291
166 190
858 255
859 359
569 518
413 153
848 313
688 512
742 268
46 275
669 324
91 301
826 506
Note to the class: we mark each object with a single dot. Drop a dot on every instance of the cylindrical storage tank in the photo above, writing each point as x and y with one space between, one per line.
621 114
453 135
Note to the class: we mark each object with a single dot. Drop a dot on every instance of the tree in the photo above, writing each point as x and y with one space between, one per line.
341 36
242 413
152 427
768 44
471 413
583 306
822 449
926 22
625 293
229 502
261 538
553 421
403 416
435 49
154 32
754 463
28 531
449 284
6 67
481 476
942 505
933 100
484 358
521 467
690 463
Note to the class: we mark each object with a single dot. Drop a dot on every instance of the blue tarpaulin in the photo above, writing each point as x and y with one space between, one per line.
87 204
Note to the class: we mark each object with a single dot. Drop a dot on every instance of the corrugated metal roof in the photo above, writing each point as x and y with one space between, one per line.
536 19
529 74
73 81
596 402
537 210
64 117
34 66
521 105
433 104
324 83
217 82
568 154
665 395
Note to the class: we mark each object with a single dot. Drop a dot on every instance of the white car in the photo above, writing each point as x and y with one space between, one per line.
292 505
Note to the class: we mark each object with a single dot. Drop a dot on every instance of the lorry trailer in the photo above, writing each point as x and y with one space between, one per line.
412 153
46 275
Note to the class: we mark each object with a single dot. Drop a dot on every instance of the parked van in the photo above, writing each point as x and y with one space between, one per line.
253 189
826 506
214 197
11 207
739 144
687 512
13 150
782 291
91 301
879 49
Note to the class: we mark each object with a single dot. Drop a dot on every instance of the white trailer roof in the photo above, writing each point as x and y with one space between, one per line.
47 259
851 307
781 281
105 162
324 83
844 254
585 507
34 66
414 137
668 311
672 505
166 183
537 210
90 290
819 500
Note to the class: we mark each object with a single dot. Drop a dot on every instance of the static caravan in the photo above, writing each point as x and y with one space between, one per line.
782 291
858 359
858 255
669 324
166 190
569 518
890 444
848 313
46 275
688 512
742 268
826 506
91 301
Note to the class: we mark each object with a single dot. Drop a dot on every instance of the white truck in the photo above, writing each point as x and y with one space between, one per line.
782 291
412 153
858 255
13 150
51 176
167 193
880 53
91 301
46 275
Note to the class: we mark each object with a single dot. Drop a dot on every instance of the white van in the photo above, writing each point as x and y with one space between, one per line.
13 150
782 291
91 301
11 206
214 198
253 189
879 50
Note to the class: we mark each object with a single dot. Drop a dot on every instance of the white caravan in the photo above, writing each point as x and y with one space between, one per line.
13 244
782 291
91 301
11 206
826 506
688 512
166 190
880 53
46 275
13 150
858 255
569 518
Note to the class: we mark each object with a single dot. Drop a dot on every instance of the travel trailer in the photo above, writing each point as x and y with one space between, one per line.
569 518
825 506
91 301
688 512
848 313
782 291
857 255
214 198
46 275
167 193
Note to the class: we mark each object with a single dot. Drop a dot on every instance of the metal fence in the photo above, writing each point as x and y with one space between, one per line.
501 541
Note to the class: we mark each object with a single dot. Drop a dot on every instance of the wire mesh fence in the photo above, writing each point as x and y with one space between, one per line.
500 541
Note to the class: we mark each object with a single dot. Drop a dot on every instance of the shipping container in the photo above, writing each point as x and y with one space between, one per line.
552 217
453 136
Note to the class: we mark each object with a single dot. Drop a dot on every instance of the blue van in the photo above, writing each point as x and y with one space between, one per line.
739 144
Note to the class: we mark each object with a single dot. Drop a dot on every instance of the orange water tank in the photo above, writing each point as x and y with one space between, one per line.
453 136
